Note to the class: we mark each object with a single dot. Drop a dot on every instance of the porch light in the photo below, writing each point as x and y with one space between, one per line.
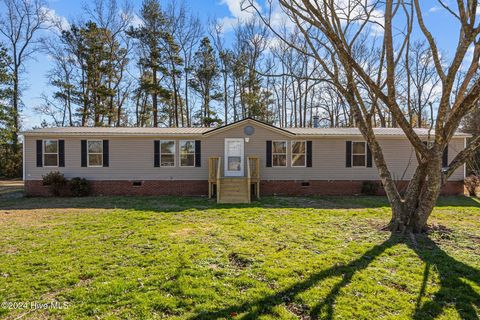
247 139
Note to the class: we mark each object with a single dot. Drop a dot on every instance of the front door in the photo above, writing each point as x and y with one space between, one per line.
234 166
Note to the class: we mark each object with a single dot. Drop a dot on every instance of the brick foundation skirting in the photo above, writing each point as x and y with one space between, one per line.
200 187
337 187
127 188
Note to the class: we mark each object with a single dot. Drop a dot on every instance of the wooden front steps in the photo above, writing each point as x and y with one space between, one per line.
233 190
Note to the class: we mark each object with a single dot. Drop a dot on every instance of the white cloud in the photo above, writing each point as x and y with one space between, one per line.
136 21
228 23
360 13
238 14
434 9
55 21
238 11
278 18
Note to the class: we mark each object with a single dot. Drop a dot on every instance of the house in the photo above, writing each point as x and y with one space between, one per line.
244 158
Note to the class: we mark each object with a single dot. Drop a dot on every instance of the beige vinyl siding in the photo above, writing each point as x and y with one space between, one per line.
131 158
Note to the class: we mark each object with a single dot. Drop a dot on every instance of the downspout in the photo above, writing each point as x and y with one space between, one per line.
465 163
23 156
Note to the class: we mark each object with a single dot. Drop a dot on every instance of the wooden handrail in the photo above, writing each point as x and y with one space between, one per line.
254 174
249 180
219 170
213 172
219 173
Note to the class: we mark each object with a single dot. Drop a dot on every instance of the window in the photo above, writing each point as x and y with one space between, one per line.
187 153
167 153
279 153
299 153
359 153
95 153
50 153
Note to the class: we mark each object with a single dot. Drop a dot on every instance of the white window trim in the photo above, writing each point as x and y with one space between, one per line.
305 154
44 153
365 150
174 154
180 153
286 154
88 155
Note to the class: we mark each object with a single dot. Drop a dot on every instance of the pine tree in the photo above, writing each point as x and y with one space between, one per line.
159 58
10 157
98 64
206 73
6 108
173 71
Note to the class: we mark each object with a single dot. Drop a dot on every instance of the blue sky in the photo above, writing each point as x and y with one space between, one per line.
34 79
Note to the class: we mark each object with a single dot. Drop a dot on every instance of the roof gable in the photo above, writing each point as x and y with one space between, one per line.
249 121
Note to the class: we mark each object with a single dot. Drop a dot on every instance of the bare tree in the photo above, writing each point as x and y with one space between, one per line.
422 82
19 25
61 77
225 59
333 32
188 32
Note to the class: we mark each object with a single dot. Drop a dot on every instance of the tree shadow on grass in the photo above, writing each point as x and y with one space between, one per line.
453 289
454 276
265 305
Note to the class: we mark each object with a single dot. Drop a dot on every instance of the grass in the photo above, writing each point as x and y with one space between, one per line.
10 188
280 258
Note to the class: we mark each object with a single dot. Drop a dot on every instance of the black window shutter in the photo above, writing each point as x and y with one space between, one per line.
156 153
84 152
369 157
39 153
309 154
445 157
198 153
269 154
348 162
106 153
61 153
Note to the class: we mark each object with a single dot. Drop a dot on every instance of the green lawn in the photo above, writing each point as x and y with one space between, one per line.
280 258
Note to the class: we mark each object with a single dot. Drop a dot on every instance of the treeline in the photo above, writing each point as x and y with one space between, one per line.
157 67
161 66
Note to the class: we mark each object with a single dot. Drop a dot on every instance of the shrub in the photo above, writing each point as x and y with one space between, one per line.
369 188
472 183
79 187
56 181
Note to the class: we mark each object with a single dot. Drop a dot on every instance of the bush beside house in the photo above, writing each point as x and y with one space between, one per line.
60 186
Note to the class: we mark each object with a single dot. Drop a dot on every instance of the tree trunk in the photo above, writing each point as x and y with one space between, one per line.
225 97
154 98
187 107
15 110
420 197
175 98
